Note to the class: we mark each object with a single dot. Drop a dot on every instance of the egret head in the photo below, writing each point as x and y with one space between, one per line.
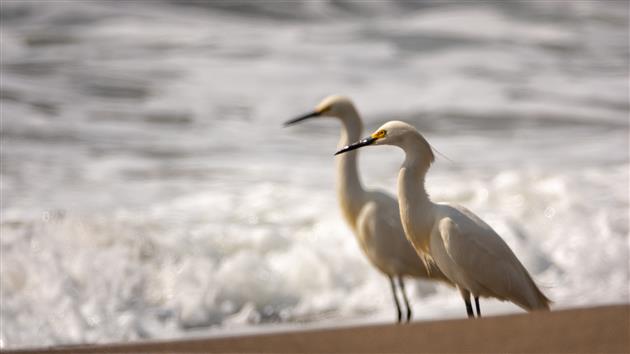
331 106
395 133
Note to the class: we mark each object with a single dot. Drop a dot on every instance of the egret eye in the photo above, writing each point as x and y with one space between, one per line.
325 109
379 134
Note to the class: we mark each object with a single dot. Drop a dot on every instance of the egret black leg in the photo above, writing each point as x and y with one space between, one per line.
391 282
401 284
477 306
469 308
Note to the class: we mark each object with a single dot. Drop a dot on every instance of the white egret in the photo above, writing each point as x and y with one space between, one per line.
372 215
466 249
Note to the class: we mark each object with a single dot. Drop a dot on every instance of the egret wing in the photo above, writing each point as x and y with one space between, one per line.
484 258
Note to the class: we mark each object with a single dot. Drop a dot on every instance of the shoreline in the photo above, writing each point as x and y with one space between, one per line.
595 329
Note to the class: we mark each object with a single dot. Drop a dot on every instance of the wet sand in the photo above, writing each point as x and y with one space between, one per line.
603 329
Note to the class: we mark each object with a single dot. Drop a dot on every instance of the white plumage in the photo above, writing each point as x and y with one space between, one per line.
373 216
466 249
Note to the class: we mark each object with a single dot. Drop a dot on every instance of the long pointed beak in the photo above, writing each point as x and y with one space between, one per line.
301 118
361 143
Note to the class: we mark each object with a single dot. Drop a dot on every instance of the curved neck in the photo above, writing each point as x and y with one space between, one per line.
415 205
413 173
418 159
349 188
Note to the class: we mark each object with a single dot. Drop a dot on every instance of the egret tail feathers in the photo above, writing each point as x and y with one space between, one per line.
542 301
536 301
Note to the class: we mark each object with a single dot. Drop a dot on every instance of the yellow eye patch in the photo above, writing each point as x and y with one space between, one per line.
379 134
323 110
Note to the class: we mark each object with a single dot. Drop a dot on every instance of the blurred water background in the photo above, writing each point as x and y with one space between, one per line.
150 191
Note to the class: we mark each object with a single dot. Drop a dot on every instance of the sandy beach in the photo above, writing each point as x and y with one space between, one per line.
600 329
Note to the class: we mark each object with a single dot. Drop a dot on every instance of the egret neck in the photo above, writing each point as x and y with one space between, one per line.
349 188
411 190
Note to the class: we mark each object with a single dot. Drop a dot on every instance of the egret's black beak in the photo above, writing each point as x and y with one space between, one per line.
361 143
301 118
